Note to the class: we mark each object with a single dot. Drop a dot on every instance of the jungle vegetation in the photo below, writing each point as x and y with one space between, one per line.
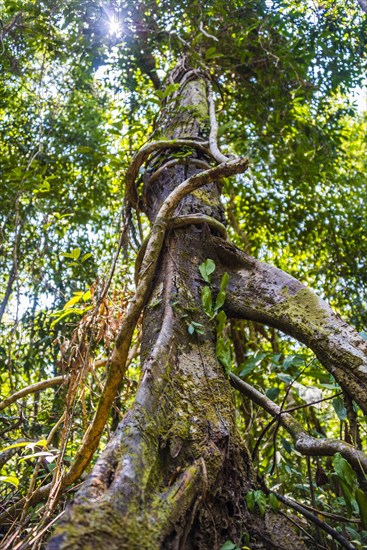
183 345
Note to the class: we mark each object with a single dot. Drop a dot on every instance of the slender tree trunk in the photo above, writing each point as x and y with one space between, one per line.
175 474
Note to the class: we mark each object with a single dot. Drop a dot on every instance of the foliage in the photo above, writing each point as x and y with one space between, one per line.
78 97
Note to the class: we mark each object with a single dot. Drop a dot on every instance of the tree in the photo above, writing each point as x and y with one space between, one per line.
176 474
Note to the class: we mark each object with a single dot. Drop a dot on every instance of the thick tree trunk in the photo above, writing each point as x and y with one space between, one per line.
175 473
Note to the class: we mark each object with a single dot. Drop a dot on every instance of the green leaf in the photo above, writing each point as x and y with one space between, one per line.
285 378
228 545
223 352
221 322
287 445
47 455
14 446
10 479
221 298
274 502
86 257
75 253
252 362
339 407
260 500
361 499
206 269
224 282
74 300
250 500
272 393
344 470
207 301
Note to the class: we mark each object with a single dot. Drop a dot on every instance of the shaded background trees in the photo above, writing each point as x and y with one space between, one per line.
78 97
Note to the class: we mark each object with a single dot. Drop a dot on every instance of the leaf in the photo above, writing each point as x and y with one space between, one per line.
344 470
287 445
206 269
10 479
339 407
361 499
221 319
363 334
260 500
86 257
49 456
250 500
228 545
285 378
75 253
252 362
207 301
224 282
347 494
74 300
272 393
221 298
223 352
274 502
14 446
191 329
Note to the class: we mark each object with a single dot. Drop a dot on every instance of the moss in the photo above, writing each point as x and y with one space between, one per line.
303 305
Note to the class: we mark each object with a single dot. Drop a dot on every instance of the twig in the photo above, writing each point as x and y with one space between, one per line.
34 388
304 443
317 521
205 33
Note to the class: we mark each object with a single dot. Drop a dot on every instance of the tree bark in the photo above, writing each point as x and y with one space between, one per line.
175 473
268 295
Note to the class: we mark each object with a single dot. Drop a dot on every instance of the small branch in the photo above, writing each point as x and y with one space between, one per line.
317 521
205 33
304 443
34 388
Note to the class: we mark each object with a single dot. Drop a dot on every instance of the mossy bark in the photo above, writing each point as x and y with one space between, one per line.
175 473
265 294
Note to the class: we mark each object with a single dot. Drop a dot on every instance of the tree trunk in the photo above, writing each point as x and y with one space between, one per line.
175 473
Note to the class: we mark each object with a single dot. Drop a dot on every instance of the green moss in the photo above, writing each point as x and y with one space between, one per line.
304 305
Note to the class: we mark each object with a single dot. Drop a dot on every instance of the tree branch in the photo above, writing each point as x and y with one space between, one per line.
263 293
34 388
303 442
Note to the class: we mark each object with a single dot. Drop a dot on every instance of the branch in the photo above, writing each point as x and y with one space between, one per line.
34 388
265 294
303 442
143 154
317 521
176 223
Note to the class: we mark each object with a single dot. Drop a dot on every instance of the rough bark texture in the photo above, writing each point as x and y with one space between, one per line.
175 473
265 294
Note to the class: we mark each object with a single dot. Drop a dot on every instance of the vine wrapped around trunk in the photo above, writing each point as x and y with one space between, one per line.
175 474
